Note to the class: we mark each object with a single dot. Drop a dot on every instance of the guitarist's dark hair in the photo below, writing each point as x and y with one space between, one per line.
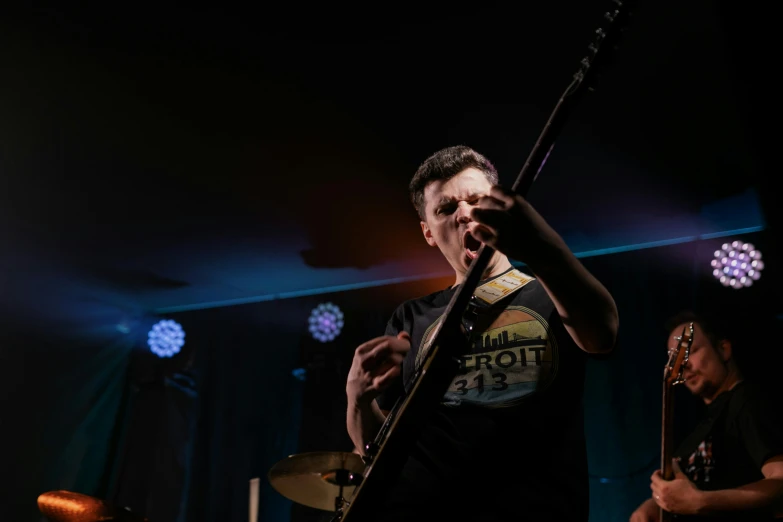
715 327
444 165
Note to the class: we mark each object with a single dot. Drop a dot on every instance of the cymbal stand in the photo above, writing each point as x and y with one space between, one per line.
342 478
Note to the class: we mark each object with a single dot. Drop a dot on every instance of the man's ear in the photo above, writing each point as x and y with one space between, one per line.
427 234
724 348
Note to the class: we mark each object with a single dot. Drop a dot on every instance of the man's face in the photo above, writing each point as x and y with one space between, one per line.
447 207
706 368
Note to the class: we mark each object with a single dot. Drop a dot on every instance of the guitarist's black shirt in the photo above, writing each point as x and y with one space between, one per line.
507 441
738 433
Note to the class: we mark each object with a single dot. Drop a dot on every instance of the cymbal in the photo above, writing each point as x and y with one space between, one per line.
314 479
67 506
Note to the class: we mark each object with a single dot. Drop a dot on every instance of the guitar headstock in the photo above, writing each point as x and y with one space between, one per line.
678 357
604 42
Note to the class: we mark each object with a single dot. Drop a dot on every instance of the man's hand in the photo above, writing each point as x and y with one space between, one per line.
375 364
679 495
503 217
506 222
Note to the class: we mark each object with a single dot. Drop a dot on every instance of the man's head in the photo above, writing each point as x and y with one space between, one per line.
711 368
444 165
444 190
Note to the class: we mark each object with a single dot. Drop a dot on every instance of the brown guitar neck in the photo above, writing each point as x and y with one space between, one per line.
667 443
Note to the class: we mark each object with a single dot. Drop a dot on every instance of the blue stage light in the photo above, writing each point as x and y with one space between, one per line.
326 322
166 338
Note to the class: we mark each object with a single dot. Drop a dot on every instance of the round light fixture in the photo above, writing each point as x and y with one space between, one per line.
737 264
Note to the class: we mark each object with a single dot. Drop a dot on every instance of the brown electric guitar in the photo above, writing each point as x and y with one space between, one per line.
672 376
386 455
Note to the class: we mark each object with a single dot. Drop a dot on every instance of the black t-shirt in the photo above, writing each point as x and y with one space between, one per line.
738 434
507 441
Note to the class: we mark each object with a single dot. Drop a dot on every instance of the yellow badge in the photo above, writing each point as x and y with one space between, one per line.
501 286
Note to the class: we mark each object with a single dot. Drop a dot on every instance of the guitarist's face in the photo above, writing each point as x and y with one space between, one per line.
448 205
707 368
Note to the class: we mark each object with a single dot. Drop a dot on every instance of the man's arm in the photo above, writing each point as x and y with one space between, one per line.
508 223
681 496
588 311
765 493
376 365
363 423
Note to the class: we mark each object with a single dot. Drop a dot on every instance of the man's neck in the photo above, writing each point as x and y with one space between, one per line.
732 379
493 269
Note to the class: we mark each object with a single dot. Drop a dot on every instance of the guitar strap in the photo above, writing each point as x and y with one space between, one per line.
700 432
691 442
501 286
486 296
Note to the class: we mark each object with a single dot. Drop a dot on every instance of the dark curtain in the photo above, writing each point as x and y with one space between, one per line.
623 393
60 400
152 468
249 408
201 425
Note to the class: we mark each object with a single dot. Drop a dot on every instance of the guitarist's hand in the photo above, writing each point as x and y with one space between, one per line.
502 217
376 364
679 495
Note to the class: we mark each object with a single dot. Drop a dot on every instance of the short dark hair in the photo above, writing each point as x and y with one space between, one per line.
712 324
444 165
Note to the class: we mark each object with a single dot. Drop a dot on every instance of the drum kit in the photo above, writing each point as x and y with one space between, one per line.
322 480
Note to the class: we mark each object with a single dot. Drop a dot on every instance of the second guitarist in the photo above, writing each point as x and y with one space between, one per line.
730 467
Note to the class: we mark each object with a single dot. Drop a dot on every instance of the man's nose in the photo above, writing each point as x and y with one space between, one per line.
463 212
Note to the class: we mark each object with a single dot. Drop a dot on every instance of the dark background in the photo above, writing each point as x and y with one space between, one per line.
231 168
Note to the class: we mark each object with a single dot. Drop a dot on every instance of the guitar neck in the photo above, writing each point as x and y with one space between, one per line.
397 438
667 440
667 432
431 381
398 435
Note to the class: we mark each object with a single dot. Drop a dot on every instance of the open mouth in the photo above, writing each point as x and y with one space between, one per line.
472 245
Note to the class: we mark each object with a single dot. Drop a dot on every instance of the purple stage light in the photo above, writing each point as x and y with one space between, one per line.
737 264
326 322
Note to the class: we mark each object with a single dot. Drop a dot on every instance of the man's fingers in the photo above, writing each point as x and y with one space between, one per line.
369 345
381 381
504 195
372 359
483 234
385 353
499 198
490 217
